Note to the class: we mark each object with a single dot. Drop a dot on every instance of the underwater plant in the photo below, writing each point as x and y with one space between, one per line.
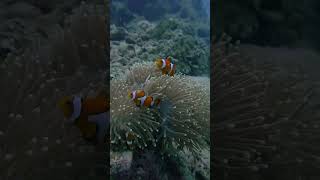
181 124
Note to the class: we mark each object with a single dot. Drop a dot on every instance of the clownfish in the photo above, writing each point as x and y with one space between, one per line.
166 66
140 99
90 115
134 95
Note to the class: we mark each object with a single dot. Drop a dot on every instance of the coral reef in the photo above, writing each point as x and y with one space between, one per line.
163 142
171 36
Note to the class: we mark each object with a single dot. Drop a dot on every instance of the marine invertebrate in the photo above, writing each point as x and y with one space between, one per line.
179 128
256 111
296 139
183 119
237 93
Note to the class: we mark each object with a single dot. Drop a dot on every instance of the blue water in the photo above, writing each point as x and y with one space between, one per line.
206 6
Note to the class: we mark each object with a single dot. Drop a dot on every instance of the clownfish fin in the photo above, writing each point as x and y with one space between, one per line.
172 73
102 121
138 103
158 63
157 103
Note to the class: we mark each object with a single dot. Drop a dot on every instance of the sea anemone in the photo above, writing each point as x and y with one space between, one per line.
35 143
237 111
257 108
179 128
183 118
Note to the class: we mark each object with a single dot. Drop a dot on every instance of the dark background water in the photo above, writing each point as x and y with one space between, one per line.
292 23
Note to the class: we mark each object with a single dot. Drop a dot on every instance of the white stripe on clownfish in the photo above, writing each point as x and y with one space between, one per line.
76 108
171 67
163 64
142 100
134 95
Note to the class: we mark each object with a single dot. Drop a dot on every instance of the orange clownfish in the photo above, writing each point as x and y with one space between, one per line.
134 95
148 101
140 99
90 115
166 66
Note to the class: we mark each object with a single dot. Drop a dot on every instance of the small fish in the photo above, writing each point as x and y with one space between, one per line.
166 66
148 101
140 99
134 95
90 115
